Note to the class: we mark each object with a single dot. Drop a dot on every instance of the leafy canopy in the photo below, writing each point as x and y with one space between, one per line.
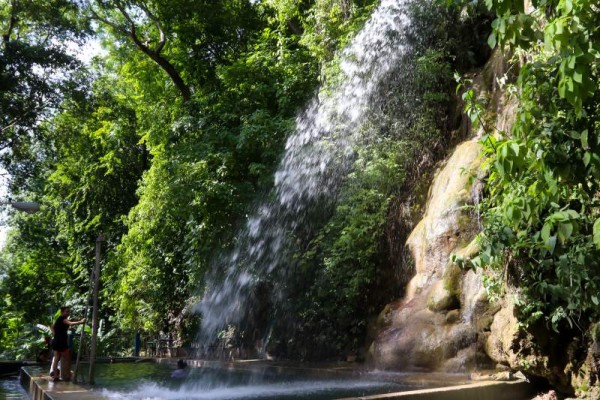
541 226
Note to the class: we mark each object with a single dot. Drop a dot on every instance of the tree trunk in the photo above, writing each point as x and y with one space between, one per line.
169 69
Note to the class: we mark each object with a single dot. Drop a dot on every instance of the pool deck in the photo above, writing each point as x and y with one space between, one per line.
455 387
41 387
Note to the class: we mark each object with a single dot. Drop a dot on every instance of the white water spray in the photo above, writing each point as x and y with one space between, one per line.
317 158
283 390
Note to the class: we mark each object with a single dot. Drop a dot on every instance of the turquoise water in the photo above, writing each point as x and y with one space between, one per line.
149 381
10 389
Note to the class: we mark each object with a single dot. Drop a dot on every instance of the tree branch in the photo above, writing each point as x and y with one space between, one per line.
123 11
153 18
155 55
10 125
106 21
12 22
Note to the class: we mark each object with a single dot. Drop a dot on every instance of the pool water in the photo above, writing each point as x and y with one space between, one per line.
10 389
149 381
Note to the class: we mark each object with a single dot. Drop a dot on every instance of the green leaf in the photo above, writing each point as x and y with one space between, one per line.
586 158
575 135
562 89
492 41
596 232
578 76
567 6
546 232
565 230
551 244
584 139
515 148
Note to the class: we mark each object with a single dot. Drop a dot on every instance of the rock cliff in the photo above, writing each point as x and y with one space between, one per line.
445 321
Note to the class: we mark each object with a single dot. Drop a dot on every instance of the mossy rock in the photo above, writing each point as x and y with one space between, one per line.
453 316
440 299
385 316
468 251
484 322
595 333
431 358
452 278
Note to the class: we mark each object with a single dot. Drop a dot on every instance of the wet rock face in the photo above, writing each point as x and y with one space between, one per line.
567 360
586 375
443 322
511 346
435 326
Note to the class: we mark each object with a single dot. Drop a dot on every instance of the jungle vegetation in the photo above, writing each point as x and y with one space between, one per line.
165 139
541 230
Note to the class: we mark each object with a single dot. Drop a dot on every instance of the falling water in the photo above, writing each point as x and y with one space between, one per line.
317 158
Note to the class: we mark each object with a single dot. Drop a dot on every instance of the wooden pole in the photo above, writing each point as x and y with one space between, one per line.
99 241
86 315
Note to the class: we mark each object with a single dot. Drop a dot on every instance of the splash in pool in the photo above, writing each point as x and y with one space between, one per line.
285 390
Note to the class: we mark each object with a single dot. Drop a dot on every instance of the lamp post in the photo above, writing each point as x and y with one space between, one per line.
29 207
99 241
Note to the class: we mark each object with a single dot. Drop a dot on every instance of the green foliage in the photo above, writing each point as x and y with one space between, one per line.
541 208
343 262
168 175
36 72
331 24
343 277
90 177
567 30
204 175
33 279
472 106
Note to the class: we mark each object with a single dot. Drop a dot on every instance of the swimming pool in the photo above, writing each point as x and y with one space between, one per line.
150 381
10 389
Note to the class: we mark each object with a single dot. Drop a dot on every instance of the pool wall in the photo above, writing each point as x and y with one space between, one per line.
41 388
517 390
38 387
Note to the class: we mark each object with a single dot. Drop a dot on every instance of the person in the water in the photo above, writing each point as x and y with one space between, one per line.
182 370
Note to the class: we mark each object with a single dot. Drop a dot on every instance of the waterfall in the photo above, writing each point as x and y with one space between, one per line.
318 155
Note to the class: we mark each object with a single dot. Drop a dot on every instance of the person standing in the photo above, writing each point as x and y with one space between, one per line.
60 345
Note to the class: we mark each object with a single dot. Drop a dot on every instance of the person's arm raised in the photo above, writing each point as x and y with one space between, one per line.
71 323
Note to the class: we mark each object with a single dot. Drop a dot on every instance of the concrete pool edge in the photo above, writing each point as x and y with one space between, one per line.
40 388
486 390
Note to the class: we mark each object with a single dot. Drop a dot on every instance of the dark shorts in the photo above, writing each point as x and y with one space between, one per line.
59 346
